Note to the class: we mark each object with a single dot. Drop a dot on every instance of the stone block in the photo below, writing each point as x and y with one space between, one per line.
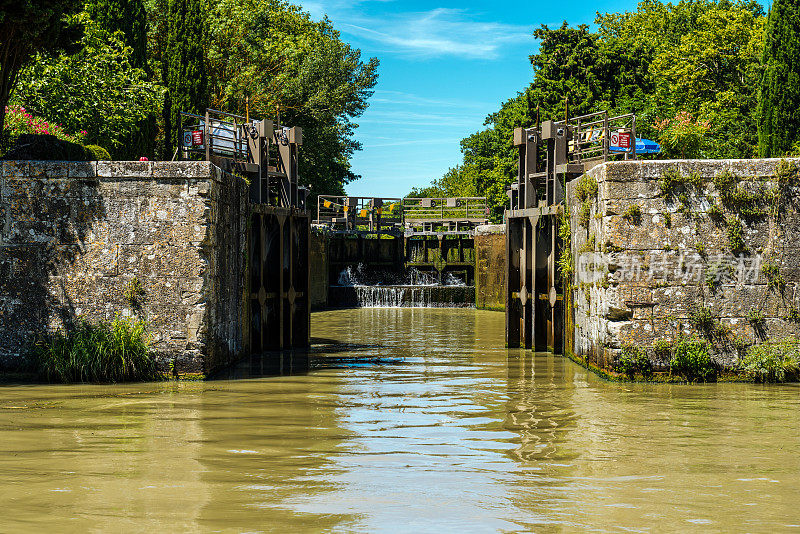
14 168
82 169
47 169
124 169
163 261
23 270
33 220
183 169
93 258
42 188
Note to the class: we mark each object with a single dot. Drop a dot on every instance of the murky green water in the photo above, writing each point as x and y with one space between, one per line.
441 430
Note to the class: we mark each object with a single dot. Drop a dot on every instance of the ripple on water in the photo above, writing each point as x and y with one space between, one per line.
415 420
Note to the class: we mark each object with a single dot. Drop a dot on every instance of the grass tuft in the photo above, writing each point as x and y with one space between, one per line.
103 352
772 362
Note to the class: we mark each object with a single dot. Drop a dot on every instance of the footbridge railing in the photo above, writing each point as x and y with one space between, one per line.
444 215
411 215
365 214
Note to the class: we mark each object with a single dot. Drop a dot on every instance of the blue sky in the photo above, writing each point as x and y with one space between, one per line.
444 67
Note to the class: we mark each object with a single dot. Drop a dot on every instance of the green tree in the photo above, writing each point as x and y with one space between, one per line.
27 27
687 70
779 104
184 67
711 74
128 17
271 54
95 89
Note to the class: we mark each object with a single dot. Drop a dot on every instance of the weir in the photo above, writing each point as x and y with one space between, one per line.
391 252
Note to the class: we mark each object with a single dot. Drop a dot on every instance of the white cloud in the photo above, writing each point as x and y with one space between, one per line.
427 34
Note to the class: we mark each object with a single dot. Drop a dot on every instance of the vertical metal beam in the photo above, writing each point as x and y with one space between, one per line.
281 281
551 282
526 294
512 282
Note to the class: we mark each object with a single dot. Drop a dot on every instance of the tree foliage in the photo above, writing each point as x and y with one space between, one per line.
28 27
688 70
271 54
779 107
184 66
128 17
95 89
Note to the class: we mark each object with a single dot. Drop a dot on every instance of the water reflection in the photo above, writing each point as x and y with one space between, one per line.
414 420
539 407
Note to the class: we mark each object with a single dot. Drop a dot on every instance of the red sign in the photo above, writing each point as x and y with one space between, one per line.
624 139
197 137
621 139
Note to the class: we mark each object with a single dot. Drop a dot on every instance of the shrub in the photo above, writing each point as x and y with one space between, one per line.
94 87
633 214
565 261
703 320
662 349
772 362
134 293
724 181
44 147
773 275
19 121
586 191
736 236
103 352
701 249
589 246
585 212
787 173
97 153
586 188
758 322
634 360
715 213
718 273
669 181
682 136
692 362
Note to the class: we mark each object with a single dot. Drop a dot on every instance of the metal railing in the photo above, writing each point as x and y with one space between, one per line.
373 214
377 214
224 136
462 209
592 134
267 154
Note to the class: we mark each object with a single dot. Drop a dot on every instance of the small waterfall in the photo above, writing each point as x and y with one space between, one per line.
417 289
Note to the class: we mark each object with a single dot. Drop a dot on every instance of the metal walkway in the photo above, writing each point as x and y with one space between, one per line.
408 216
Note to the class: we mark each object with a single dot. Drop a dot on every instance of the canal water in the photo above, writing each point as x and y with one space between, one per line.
408 420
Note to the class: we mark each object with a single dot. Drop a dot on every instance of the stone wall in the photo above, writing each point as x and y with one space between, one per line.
490 267
676 248
76 236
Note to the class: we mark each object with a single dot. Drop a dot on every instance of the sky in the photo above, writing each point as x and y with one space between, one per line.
444 67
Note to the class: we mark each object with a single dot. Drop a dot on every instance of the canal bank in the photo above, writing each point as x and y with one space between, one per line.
180 245
412 417
670 257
